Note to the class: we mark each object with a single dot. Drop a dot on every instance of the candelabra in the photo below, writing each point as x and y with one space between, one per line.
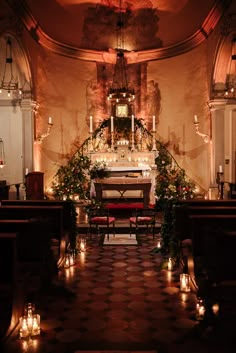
91 142
206 138
220 182
132 141
154 147
40 138
112 141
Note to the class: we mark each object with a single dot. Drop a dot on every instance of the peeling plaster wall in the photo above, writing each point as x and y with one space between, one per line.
184 92
61 89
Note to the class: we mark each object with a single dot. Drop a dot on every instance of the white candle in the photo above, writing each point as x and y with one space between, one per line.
91 124
153 123
26 171
112 124
220 169
132 123
195 119
50 120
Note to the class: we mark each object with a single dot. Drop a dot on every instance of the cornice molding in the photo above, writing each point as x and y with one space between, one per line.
23 12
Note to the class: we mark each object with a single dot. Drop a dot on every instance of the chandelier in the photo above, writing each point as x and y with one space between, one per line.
9 82
119 92
230 91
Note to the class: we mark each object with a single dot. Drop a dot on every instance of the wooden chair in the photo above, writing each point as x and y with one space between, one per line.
100 218
144 218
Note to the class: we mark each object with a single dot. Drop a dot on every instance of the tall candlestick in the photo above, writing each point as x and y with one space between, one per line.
112 124
195 119
91 124
132 123
153 123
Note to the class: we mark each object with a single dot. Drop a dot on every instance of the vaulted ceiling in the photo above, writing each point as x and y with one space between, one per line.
152 29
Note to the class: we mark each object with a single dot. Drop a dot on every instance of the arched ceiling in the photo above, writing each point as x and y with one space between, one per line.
152 29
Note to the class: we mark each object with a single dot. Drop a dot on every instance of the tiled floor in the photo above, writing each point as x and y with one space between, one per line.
118 298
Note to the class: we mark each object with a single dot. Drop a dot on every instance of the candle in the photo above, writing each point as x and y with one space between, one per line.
220 169
195 119
50 120
26 171
153 123
132 123
112 124
184 282
170 264
91 124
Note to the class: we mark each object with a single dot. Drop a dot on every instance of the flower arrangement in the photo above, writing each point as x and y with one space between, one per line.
98 170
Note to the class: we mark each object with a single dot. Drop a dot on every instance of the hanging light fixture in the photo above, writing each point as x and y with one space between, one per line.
230 84
9 81
119 92
2 154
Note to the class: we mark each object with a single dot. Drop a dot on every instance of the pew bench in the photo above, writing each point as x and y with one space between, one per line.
11 297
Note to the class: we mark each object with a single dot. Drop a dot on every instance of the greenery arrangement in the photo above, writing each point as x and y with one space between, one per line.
172 185
73 178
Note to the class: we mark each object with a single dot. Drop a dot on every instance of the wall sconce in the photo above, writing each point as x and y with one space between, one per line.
29 323
184 282
2 154
40 138
206 138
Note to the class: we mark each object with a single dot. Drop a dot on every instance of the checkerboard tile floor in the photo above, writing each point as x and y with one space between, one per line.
117 298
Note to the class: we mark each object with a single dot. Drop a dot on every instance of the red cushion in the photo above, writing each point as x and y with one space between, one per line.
102 220
122 205
140 219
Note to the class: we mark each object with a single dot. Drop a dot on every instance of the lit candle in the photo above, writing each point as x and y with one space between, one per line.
132 123
220 169
170 264
112 124
184 282
200 310
91 124
50 120
153 123
195 119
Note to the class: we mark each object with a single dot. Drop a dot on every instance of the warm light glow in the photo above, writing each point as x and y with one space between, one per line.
184 282
200 309
170 264
215 308
29 323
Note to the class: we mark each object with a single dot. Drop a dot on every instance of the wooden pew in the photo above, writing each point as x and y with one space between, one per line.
58 215
213 248
11 297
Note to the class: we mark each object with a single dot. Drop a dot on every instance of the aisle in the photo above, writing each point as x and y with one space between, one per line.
115 298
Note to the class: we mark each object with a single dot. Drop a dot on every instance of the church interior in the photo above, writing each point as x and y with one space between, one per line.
117 176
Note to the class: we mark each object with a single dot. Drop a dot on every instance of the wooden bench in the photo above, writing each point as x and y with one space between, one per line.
11 297
213 248
55 216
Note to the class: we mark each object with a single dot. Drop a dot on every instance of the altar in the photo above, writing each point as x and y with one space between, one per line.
122 185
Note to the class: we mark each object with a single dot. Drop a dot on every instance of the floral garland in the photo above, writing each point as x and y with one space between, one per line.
172 185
